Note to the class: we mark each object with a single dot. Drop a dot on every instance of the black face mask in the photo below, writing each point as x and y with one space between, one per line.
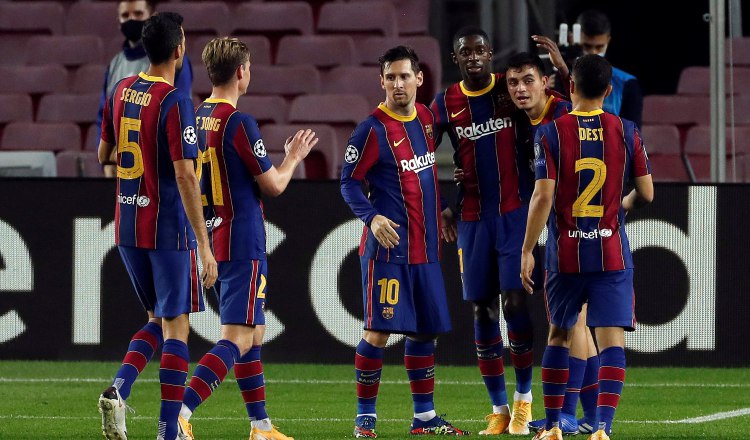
132 30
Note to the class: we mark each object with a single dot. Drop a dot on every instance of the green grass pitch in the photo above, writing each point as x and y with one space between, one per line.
58 400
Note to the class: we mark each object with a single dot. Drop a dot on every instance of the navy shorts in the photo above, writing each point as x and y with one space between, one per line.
610 297
404 298
241 288
489 252
167 282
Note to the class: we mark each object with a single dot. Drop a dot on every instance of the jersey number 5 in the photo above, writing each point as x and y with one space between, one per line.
581 207
125 145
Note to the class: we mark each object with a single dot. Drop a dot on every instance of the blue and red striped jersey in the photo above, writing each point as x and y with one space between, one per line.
594 158
152 125
480 127
526 128
233 155
395 157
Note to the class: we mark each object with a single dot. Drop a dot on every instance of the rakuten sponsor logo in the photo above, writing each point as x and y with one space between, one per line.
476 131
418 163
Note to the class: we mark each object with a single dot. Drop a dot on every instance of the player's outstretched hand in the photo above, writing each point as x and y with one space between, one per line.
300 144
384 232
555 56
448 228
527 268
210 269
458 175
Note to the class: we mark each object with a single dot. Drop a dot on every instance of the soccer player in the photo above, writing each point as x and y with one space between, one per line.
393 152
477 114
236 171
585 162
158 218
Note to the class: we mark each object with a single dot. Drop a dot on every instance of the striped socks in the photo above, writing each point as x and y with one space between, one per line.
368 365
208 375
172 375
577 367
140 351
419 360
249 373
611 380
554 382
489 345
590 388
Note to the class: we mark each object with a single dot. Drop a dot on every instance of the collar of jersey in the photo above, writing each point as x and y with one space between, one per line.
153 78
591 113
396 116
468 92
544 112
219 100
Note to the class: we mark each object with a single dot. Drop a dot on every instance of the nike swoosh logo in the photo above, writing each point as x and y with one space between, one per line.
453 115
397 143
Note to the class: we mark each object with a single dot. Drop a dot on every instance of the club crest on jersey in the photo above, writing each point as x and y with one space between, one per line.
428 130
387 312
351 154
189 135
476 131
418 163
259 149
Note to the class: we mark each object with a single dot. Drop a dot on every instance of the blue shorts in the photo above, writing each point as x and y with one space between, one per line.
489 253
167 282
404 298
610 298
241 288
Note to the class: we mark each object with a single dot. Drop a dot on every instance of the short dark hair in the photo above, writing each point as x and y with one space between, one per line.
521 59
150 3
594 23
162 33
399 53
467 31
592 74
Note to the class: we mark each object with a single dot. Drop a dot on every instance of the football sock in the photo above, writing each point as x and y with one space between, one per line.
577 367
263 425
521 341
611 379
368 364
140 351
425 416
590 388
172 375
489 345
419 360
208 375
249 373
554 382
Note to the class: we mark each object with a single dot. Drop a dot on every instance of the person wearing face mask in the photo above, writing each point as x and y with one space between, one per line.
132 58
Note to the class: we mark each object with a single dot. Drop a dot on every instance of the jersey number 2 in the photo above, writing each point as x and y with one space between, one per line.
582 207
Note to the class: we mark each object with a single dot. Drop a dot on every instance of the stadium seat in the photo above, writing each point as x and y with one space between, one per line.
13 48
323 162
68 50
287 81
329 108
41 136
373 17
413 16
89 79
695 80
277 159
260 49
364 80
698 150
201 18
80 109
738 51
93 18
41 16
264 108
91 142
78 164
663 147
15 107
33 79
675 109
273 18
322 51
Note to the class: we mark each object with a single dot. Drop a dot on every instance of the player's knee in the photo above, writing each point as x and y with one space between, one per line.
557 336
514 304
376 338
487 311
422 337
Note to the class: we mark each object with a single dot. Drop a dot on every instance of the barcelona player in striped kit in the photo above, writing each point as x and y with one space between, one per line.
393 153
158 219
591 168
236 170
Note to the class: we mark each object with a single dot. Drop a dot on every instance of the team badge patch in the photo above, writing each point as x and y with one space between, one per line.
428 130
143 201
351 154
537 151
387 312
189 135
259 149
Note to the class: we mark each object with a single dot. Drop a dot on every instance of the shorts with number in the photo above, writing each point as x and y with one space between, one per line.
610 298
241 288
167 282
404 298
489 252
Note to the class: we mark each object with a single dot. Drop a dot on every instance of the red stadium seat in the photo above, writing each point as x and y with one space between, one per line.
42 16
69 50
288 81
89 79
78 164
663 147
201 18
413 16
364 80
15 107
323 162
378 17
320 51
264 108
42 136
329 108
33 79
698 150
695 80
260 49
738 51
91 142
93 18
277 158
13 48
80 109
675 109
277 17
739 105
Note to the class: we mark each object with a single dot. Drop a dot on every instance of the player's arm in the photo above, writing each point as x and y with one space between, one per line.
274 181
539 208
643 192
555 56
632 102
107 153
